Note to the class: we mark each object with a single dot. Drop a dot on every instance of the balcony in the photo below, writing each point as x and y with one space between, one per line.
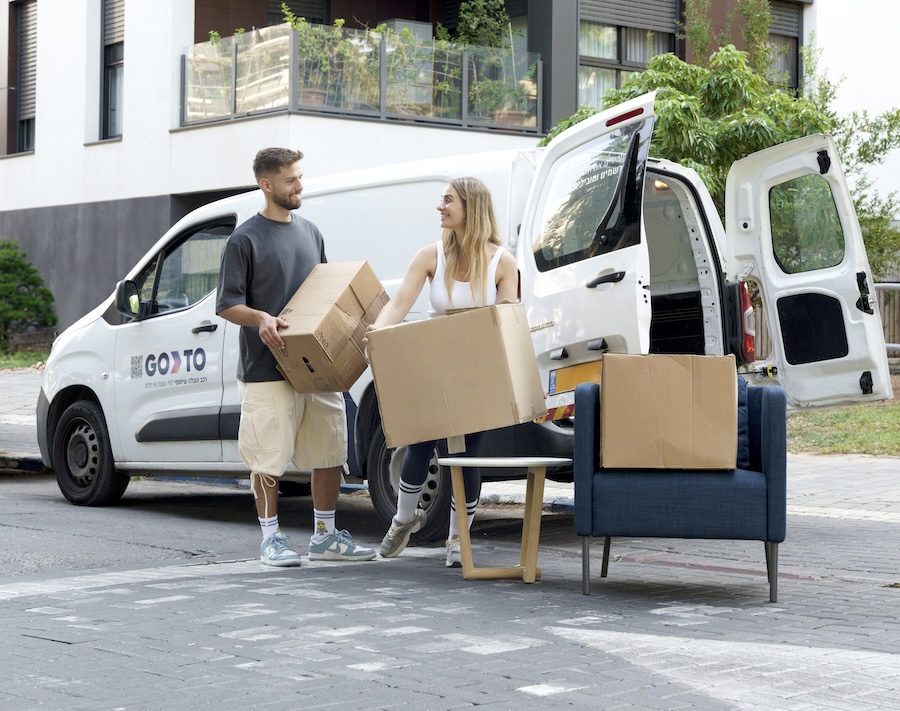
384 75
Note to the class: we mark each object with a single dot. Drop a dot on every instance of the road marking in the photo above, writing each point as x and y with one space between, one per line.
846 514
754 675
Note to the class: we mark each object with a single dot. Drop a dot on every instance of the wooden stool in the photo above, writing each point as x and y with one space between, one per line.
527 568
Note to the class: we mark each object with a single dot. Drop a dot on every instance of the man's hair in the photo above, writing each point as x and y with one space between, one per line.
270 160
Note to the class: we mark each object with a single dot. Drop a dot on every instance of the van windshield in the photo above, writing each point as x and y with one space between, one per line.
592 200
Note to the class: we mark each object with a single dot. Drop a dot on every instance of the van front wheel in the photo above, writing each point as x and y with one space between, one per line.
82 458
383 474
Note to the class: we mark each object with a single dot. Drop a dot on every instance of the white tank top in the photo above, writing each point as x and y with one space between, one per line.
462 293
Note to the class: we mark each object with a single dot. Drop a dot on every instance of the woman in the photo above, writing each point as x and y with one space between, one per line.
468 267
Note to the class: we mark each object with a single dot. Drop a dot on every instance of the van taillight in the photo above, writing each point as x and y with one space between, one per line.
748 326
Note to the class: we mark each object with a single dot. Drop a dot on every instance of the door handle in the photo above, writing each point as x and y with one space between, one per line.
605 279
208 328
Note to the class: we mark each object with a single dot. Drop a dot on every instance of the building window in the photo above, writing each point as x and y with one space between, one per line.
113 66
784 39
312 10
26 73
608 55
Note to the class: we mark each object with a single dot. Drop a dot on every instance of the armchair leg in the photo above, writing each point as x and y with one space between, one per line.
585 565
772 569
605 566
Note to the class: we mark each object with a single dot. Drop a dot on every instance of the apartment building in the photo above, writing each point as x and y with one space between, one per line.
117 117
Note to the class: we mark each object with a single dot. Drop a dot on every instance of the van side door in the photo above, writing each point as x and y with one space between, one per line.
169 361
582 253
792 229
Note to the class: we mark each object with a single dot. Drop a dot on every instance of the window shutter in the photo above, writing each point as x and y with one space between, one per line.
312 10
113 21
785 18
27 69
656 15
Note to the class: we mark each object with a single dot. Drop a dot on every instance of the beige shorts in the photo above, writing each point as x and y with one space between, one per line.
280 425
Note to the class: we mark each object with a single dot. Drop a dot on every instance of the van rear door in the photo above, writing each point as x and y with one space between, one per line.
792 229
582 253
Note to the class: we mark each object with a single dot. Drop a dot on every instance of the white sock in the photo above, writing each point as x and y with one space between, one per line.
408 501
323 523
471 506
269 526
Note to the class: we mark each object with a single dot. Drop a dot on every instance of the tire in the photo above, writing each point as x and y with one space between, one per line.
383 473
82 458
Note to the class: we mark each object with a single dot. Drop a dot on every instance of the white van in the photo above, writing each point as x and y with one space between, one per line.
617 252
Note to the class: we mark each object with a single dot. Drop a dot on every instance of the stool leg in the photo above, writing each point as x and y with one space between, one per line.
531 526
462 520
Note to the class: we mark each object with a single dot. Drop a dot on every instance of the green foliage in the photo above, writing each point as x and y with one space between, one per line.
697 30
579 116
24 300
862 429
482 22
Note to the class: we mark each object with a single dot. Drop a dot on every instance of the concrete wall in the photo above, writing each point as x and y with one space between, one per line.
82 250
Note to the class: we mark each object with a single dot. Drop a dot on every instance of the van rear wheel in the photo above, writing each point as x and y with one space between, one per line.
82 458
383 474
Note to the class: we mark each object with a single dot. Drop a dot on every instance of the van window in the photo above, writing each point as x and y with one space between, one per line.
187 271
806 227
592 202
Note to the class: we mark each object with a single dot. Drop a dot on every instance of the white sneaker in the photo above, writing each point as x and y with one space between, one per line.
276 550
454 559
398 534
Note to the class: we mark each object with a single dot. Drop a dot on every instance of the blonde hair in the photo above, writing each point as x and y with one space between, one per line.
480 230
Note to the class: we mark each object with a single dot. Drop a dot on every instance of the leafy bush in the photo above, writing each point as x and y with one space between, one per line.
24 300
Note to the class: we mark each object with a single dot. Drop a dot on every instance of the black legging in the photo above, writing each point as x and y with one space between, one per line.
414 468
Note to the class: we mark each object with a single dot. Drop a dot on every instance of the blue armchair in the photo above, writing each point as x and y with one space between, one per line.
747 503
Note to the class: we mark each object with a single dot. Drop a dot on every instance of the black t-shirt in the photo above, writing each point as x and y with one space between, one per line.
264 262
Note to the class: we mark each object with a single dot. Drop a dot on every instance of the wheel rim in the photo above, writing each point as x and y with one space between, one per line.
82 455
432 481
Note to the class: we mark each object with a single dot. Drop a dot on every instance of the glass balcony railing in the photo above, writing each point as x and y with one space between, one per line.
387 75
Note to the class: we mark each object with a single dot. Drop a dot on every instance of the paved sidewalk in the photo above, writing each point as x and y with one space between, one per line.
678 624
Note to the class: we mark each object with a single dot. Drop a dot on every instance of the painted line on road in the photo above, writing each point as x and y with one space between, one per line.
846 514
754 675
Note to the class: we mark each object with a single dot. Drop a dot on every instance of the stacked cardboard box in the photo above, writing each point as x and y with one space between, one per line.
327 317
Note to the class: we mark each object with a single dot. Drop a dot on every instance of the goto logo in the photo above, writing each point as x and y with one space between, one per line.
165 363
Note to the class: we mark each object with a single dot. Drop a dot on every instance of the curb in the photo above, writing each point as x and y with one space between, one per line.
23 462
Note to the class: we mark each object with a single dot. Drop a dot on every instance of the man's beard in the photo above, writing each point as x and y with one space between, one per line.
287 201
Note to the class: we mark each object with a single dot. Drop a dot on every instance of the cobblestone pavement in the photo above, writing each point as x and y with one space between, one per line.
678 624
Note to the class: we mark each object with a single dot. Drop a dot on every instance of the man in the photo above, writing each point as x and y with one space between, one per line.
265 261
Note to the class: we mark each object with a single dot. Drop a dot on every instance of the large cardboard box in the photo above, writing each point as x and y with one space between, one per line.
327 317
465 372
668 412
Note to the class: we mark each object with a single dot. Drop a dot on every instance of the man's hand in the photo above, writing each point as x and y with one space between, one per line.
269 326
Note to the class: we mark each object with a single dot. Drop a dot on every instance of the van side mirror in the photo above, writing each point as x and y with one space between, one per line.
128 300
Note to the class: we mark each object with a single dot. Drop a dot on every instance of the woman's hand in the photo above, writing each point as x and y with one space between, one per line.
365 340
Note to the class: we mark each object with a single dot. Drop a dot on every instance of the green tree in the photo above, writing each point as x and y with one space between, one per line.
482 22
24 300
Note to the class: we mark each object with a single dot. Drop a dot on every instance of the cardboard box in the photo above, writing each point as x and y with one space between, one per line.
466 372
668 412
327 317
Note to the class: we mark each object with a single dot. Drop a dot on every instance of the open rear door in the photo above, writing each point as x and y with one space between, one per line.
581 248
792 229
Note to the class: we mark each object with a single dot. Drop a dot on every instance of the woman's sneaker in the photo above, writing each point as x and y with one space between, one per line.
454 559
398 534
276 550
338 546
